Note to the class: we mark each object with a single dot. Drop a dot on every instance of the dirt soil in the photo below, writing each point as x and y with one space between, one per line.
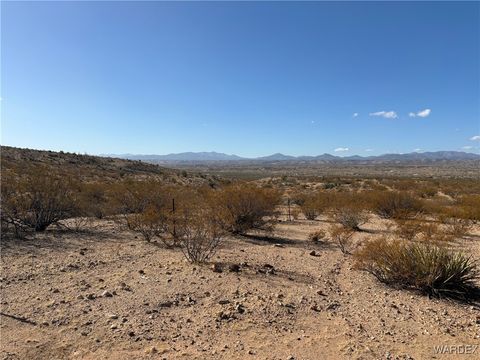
107 294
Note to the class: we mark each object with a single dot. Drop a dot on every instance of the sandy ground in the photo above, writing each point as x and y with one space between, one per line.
109 295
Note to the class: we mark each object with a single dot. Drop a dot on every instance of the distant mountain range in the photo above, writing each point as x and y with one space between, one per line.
278 157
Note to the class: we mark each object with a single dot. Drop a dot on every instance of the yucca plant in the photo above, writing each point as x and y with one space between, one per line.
431 269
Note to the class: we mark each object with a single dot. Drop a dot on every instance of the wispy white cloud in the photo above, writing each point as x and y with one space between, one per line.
418 150
421 113
468 147
385 114
475 138
424 113
368 150
355 115
341 149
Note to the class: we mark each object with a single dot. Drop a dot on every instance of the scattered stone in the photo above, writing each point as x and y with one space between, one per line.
227 315
313 253
216 268
107 294
141 272
131 333
112 316
333 306
90 297
267 269
151 350
234 268
240 309
224 302
165 304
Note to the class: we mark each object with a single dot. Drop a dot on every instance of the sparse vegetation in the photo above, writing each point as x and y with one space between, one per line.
199 232
396 205
36 200
431 269
342 237
243 207
350 217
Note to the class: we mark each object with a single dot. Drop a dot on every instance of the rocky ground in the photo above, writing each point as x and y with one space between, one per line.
106 294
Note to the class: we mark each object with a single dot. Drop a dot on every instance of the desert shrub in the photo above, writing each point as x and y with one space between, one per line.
150 223
395 204
350 217
342 237
316 236
243 207
408 229
199 232
315 204
310 209
37 199
94 200
131 199
469 205
456 226
433 270
429 231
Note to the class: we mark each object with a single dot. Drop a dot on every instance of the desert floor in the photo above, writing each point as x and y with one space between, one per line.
107 294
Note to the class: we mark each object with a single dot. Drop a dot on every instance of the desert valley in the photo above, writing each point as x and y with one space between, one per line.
279 267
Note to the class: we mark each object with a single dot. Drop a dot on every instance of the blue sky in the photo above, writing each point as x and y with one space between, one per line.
250 78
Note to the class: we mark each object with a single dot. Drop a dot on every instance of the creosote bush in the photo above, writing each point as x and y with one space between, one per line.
431 269
408 229
243 207
36 200
342 237
396 205
199 232
350 218
314 204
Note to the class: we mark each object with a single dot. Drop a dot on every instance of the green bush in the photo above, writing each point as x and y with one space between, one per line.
431 269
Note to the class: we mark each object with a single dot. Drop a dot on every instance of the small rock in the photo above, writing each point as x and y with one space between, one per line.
313 253
224 302
234 268
216 268
151 350
107 294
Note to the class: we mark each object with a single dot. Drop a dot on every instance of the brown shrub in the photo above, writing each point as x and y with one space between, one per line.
199 232
150 223
456 226
243 207
36 200
408 229
469 206
397 205
342 237
350 217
